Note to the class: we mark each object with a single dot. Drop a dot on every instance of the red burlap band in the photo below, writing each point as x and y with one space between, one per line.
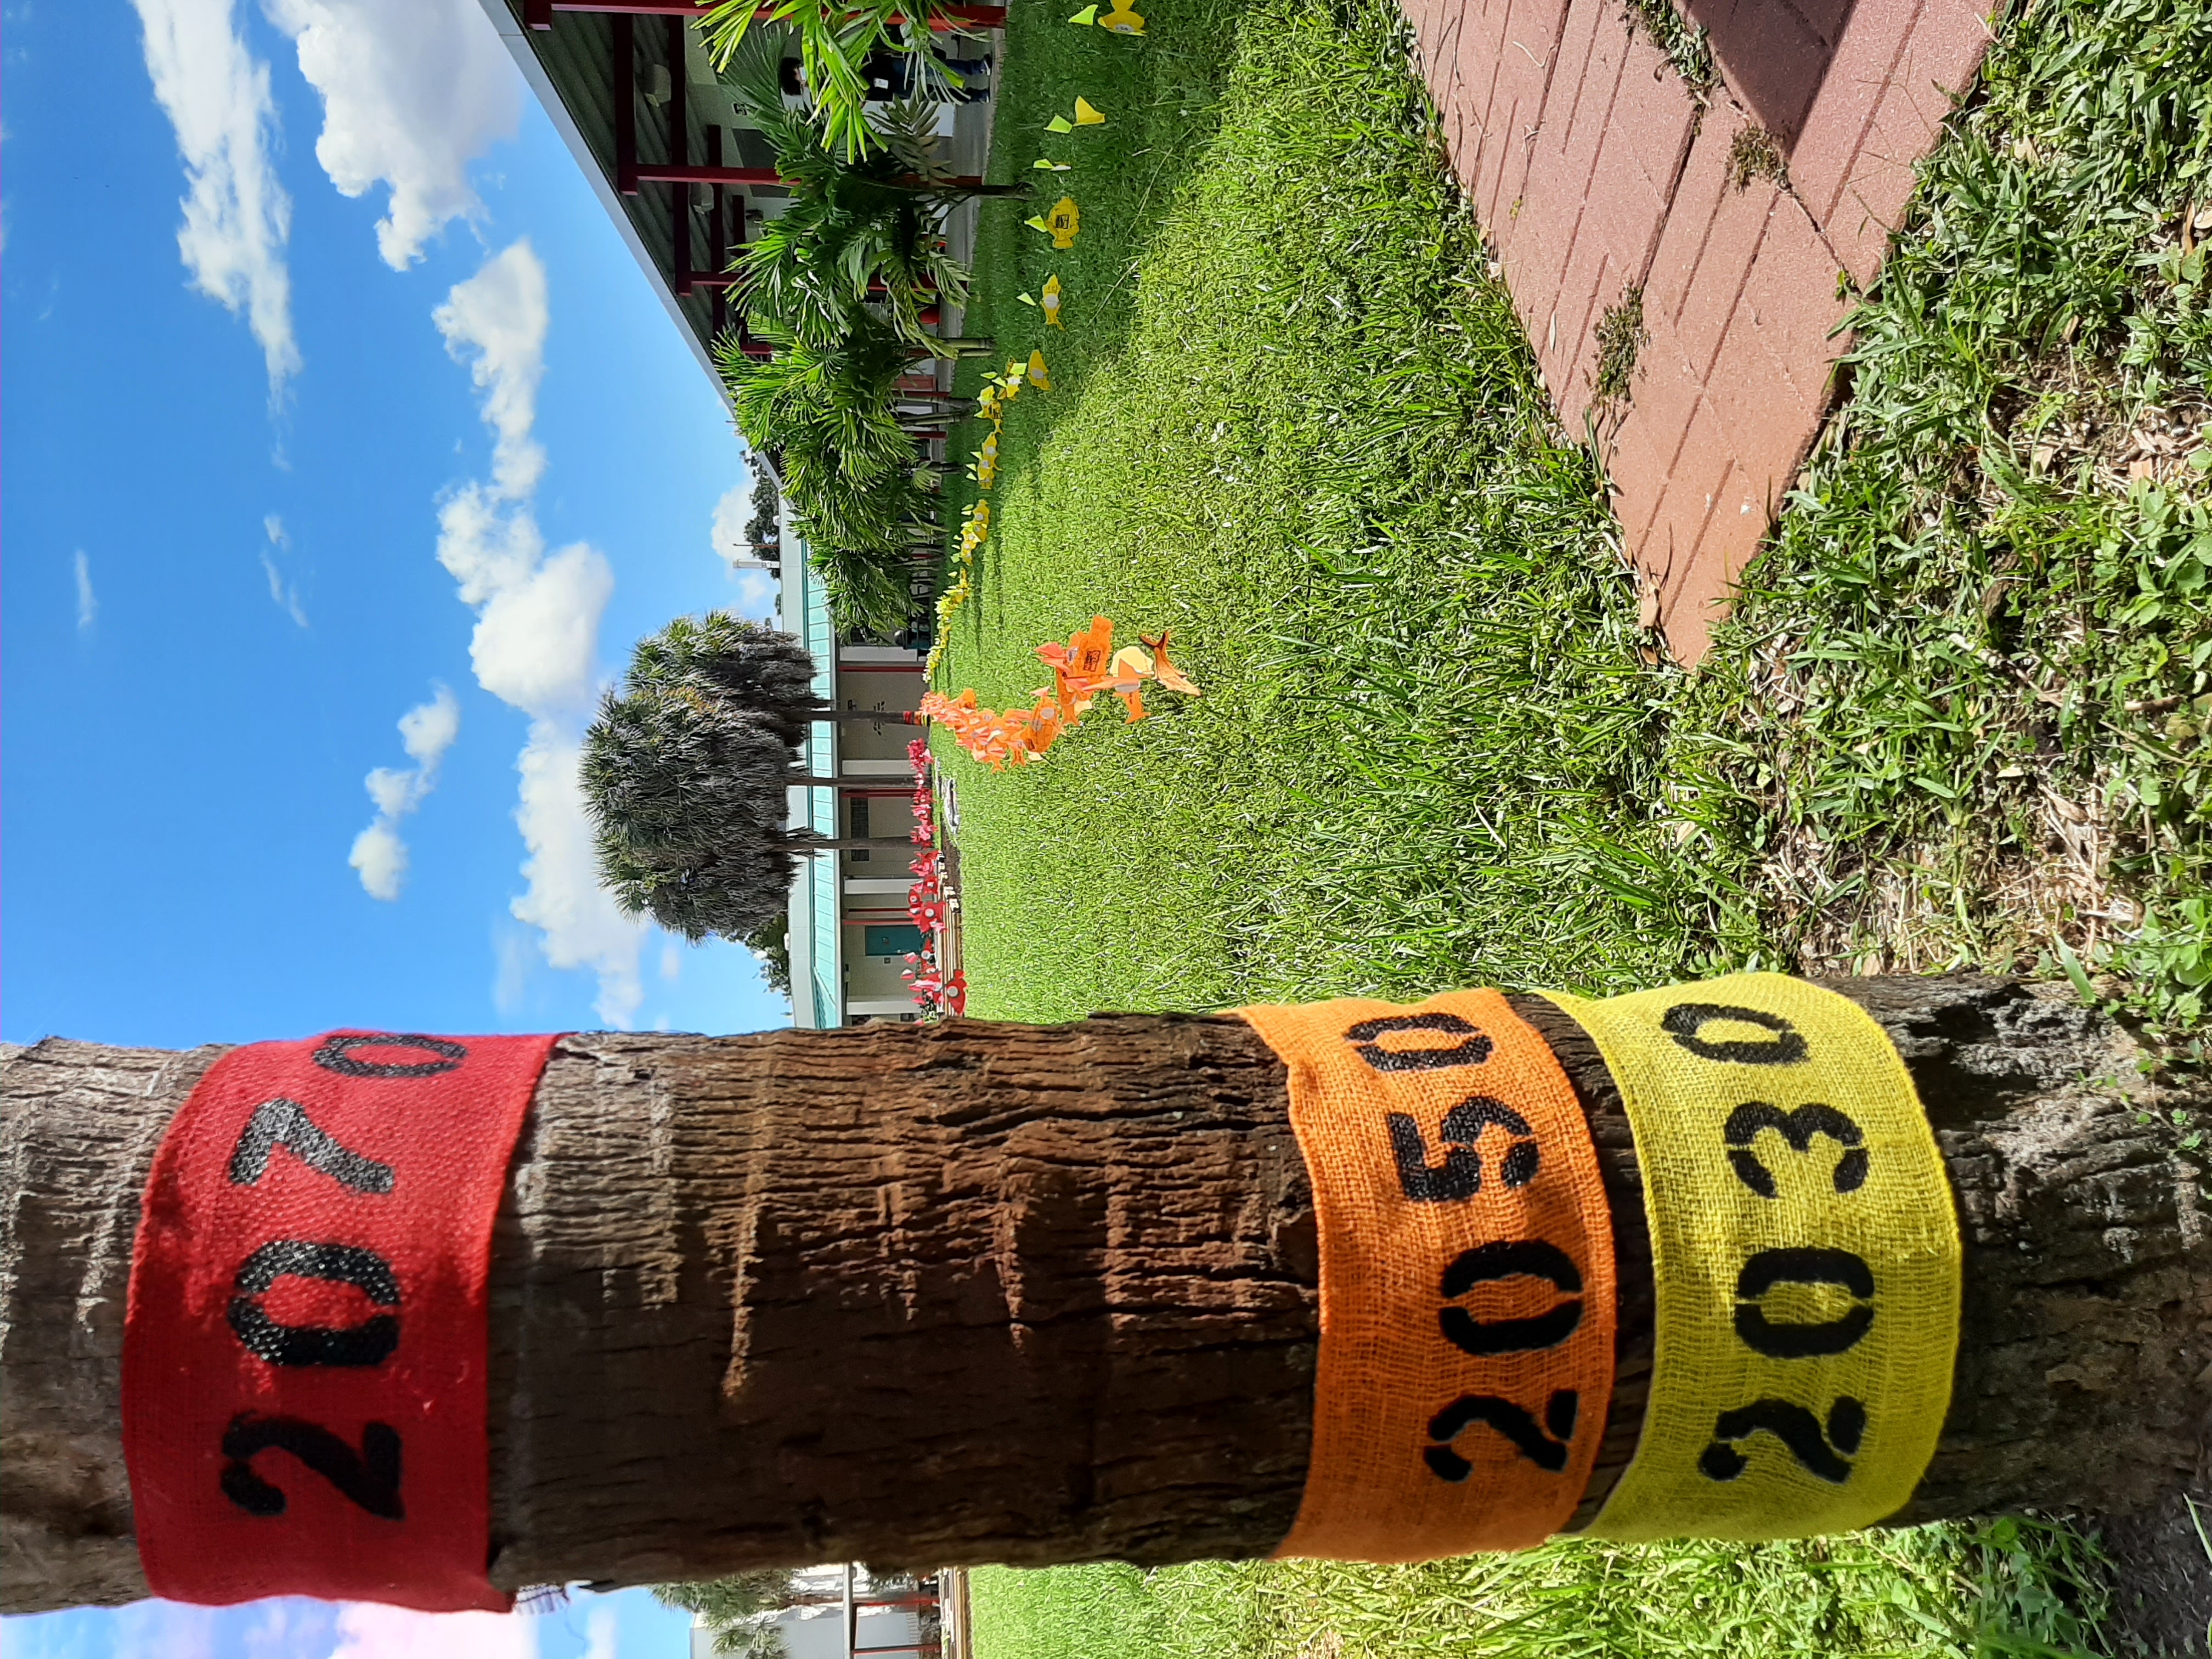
304 1357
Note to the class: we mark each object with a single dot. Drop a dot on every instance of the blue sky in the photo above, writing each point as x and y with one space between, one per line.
332 395
223 587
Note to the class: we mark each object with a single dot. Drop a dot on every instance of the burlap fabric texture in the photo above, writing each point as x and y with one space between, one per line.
1806 1258
1467 1278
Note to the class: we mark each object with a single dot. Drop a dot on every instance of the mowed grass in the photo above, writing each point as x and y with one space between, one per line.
1962 719
1293 419
1929 1591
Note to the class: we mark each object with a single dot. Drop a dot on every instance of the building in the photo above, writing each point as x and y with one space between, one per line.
849 929
684 179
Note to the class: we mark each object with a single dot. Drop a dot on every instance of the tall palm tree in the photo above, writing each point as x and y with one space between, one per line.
978 1292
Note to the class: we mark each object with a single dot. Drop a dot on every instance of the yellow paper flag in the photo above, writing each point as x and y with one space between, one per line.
1051 302
1088 14
1121 19
1037 376
1086 116
1060 123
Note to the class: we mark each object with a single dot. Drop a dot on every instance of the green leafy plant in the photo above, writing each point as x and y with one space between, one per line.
836 39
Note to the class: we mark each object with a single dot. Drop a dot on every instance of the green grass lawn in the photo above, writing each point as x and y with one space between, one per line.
1961 717
1292 420
1929 1591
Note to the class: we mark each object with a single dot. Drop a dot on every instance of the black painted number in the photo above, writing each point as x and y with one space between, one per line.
1794 1338
1366 1039
285 1123
1686 1023
1815 1449
1797 1128
336 1054
1459 1175
1511 1258
370 1476
1545 1450
368 1343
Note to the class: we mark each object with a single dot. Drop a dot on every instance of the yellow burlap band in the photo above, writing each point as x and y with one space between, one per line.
1805 1256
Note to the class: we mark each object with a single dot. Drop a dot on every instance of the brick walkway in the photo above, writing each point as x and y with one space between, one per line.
1596 172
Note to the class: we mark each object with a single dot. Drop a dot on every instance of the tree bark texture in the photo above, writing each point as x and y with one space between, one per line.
975 1293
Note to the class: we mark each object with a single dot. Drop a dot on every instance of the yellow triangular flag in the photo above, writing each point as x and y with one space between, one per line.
1038 223
1060 123
1088 14
1025 299
1087 117
1038 378
1122 20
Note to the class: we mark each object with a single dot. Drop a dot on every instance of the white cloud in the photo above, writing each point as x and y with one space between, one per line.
286 594
536 638
580 925
413 91
237 217
536 633
426 732
88 602
496 322
367 1631
756 593
382 858
600 1633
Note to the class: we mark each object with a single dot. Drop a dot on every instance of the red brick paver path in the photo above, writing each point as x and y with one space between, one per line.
1596 172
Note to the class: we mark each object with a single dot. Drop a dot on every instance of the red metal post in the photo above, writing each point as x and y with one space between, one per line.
538 14
679 151
718 243
625 54
668 172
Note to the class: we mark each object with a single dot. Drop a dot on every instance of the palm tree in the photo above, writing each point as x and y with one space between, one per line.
836 39
857 229
686 771
823 406
978 1292
733 1608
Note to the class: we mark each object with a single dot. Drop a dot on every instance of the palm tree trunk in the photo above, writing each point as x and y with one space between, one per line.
972 1293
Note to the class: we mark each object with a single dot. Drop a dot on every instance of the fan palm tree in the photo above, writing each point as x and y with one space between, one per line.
685 773
736 1610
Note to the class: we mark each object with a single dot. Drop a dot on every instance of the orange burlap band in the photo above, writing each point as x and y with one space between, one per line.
1467 1278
